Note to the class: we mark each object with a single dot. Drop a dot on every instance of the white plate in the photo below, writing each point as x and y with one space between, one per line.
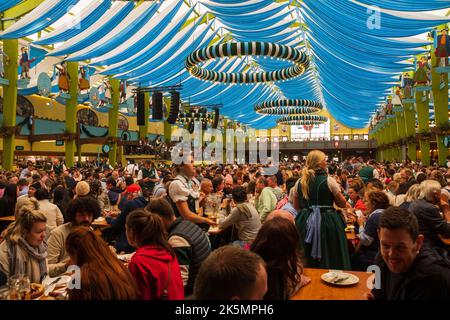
339 278
50 283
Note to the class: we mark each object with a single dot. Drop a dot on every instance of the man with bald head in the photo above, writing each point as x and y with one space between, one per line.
282 214
208 201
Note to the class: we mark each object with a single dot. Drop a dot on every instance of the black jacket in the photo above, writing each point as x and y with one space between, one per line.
431 224
427 279
118 225
193 256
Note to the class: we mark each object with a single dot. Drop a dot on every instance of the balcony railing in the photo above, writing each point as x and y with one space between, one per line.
328 145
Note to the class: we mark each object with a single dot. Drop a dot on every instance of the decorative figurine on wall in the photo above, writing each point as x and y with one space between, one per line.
336 127
4 57
105 94
397 101
443 48
407 84
25 63
44 84
422 75
389 106
83 82
63 77
382 113
94 97
442 53
123 91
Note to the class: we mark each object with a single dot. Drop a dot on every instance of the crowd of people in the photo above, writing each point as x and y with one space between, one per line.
228 232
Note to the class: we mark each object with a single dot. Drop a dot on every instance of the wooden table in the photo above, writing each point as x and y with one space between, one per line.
445 240
8 219
95 224
317 289
100 224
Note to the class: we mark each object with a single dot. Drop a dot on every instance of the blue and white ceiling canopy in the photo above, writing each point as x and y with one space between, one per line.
352 66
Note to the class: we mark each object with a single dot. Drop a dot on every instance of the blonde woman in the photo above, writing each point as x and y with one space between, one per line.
321 227
23 204
24 250
411 196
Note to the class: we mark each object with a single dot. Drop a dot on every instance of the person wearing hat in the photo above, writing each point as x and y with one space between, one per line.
369 172
82 189
135 200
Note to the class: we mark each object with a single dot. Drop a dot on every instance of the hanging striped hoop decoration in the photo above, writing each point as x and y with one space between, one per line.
302 120
238 49
288 107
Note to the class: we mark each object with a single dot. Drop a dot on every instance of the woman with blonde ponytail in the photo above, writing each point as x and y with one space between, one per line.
321 227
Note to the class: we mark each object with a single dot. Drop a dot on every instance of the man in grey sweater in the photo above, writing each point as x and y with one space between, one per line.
80 212
243 215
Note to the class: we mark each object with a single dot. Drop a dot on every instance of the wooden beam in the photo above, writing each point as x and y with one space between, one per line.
43 137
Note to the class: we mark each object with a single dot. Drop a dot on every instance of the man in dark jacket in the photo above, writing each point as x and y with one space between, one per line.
135 200
428 213
409 269
189 241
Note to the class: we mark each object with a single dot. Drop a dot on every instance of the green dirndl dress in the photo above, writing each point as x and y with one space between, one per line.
333 241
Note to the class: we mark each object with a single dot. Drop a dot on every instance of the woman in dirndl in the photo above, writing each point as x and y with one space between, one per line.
321 227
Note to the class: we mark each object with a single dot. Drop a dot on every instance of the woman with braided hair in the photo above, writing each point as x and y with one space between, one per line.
321 227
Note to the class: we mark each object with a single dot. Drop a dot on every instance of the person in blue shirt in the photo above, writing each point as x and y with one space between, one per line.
376 202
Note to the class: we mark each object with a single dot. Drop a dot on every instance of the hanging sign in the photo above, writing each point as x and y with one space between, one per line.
44 84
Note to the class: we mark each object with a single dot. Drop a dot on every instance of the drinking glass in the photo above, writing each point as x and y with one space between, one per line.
24 289
107 209
4 293
19 287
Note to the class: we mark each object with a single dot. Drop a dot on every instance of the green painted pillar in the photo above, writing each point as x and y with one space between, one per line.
383 140
376 137
380 146
224 140
409 115
387 140
440 106
401 129
71 113
11 48
168 126
113 119
423 117
393 138
143 130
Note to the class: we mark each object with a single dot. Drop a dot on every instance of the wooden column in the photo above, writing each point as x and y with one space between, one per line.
440 94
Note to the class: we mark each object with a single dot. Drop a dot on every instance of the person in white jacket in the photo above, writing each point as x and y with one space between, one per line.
51 211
